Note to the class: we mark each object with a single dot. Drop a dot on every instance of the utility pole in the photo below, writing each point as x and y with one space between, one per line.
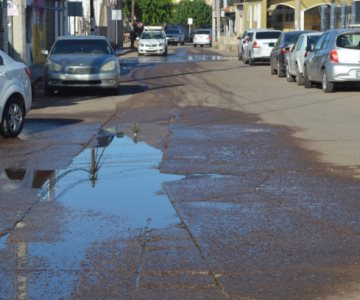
3 26
120 24
297 15
213 35
132 12
92 17
218 18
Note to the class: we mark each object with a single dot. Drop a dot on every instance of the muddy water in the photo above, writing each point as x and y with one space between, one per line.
108 193
181 56
127 184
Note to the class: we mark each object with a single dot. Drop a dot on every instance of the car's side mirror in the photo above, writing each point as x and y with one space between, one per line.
45 52
289 47
309 48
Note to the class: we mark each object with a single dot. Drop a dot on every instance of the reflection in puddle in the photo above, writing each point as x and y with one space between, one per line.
127 183
127 64
109 192
3 240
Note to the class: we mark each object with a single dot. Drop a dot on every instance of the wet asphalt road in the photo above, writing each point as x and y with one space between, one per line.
177 189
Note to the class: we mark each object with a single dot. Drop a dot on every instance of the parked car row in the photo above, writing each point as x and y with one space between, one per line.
283 46
331 58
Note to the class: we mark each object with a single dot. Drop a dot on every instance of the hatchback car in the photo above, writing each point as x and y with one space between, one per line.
334 60
294 60
258 45
15 95
283 45
202 37
81 62
152 41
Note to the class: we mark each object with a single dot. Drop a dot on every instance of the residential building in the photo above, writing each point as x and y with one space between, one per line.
280 14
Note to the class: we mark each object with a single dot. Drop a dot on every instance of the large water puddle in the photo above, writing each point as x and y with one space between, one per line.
111 191
122 179
181 56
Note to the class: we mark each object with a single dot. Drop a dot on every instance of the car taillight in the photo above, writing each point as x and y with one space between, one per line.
209 37
333 55
27 71
255 45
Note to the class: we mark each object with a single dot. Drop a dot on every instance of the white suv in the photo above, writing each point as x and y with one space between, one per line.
258 45
15 95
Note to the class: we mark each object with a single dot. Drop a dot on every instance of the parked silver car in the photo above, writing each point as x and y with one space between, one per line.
334 60
258 46
294 60
81 62
15 95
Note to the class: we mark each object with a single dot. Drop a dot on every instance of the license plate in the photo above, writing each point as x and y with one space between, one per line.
358 74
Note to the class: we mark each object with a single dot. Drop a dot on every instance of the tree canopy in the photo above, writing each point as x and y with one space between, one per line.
155 12
196 9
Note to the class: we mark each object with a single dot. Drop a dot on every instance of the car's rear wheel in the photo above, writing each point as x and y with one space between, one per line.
327 87
13 118
280 73
48 91
299 77
114 91
307 82
289 77
244 60
251 61
272 70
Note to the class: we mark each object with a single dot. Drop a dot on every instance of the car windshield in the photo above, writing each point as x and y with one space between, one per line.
203 32
267 35
349 40
291 37
312 39
172 31
81 46
151 35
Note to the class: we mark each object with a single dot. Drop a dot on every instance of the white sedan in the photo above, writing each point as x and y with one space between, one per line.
152 41
15 95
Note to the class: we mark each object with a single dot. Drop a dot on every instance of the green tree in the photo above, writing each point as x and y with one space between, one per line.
196 9
155 12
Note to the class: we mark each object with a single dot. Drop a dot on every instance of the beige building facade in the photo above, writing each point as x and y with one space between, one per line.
280 14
